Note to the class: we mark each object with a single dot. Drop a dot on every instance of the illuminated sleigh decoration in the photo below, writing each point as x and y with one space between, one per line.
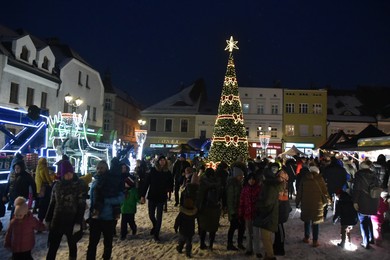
68 135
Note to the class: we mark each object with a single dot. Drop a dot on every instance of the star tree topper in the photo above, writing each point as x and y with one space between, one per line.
231 44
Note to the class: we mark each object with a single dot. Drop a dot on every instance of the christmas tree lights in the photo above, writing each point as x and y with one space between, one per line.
229 140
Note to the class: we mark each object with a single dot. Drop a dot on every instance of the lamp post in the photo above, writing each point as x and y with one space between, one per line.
264 137
140 135
75 103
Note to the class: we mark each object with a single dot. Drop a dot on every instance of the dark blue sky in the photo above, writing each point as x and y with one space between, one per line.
153 47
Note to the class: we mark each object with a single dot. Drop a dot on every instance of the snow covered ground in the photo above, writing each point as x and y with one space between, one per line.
142 246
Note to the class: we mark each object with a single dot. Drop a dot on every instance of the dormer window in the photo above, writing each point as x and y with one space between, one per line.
24 54
45 63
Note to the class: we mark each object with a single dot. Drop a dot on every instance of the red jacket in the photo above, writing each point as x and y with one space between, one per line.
20 235
248 199
382 209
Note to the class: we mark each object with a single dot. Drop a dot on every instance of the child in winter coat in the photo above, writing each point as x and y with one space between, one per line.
129 206
185 224
20 238
379 217
346 213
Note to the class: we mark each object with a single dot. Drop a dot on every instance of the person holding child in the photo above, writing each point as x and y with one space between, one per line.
20 237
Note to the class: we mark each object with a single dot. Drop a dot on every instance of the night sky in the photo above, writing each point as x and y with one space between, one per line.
152 47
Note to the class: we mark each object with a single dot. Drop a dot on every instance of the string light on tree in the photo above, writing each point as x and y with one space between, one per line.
229 140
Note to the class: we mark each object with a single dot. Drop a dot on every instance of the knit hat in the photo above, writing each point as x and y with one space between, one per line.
21 207
237 172
65 167
188 203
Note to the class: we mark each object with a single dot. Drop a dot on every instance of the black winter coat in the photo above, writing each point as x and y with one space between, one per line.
345 211
185 222
158 183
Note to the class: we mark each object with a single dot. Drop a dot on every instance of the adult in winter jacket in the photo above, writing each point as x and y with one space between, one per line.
178 175
309 197
43 181
363 203
209 207
267 215
233 192
105 222
247 211
158 182
24 183
66 209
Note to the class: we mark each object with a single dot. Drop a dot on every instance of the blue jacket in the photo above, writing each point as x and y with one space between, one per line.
107 211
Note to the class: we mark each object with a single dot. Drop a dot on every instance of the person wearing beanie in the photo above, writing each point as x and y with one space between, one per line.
23 183
310 195
233 192
365 205
108 186
129 205
178 175
66 210
20 236
158 182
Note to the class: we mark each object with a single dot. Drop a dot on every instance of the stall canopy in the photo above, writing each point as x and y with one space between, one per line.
183 148
352 143
333 139
292 151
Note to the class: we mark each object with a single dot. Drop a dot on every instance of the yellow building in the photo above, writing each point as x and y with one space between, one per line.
304 118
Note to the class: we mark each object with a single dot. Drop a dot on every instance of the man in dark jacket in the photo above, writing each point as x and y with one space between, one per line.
178 172
362 201
66 209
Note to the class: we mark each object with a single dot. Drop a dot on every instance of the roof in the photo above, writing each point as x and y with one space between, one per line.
369 131
333 139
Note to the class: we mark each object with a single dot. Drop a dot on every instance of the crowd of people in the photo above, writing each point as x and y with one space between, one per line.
255 195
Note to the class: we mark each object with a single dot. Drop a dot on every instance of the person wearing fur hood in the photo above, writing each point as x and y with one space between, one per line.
310 193
20 236
158 182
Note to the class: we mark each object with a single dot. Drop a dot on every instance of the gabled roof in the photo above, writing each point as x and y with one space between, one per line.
190 100
333 139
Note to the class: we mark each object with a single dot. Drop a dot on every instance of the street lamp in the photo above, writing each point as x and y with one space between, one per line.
140 136
264 137
75 103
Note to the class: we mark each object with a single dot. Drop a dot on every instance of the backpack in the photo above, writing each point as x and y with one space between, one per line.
212 197
374 191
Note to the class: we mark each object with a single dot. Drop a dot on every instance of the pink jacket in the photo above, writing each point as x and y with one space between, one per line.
380 214
20 235
248 199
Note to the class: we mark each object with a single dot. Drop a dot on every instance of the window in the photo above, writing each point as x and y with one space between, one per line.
260 109
290 130
24 54
14 95
304 130
106 124
202 134
107 104
290 108
80 84
43 100
245 108
168 125
45 63
94 114
184 125
30 97
87 82
303 108
66 107
317 130
317 108
274 109
153 125
274 132
247 131
88 112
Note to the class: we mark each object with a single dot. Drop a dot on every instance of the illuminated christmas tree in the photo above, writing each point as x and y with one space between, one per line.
229 140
